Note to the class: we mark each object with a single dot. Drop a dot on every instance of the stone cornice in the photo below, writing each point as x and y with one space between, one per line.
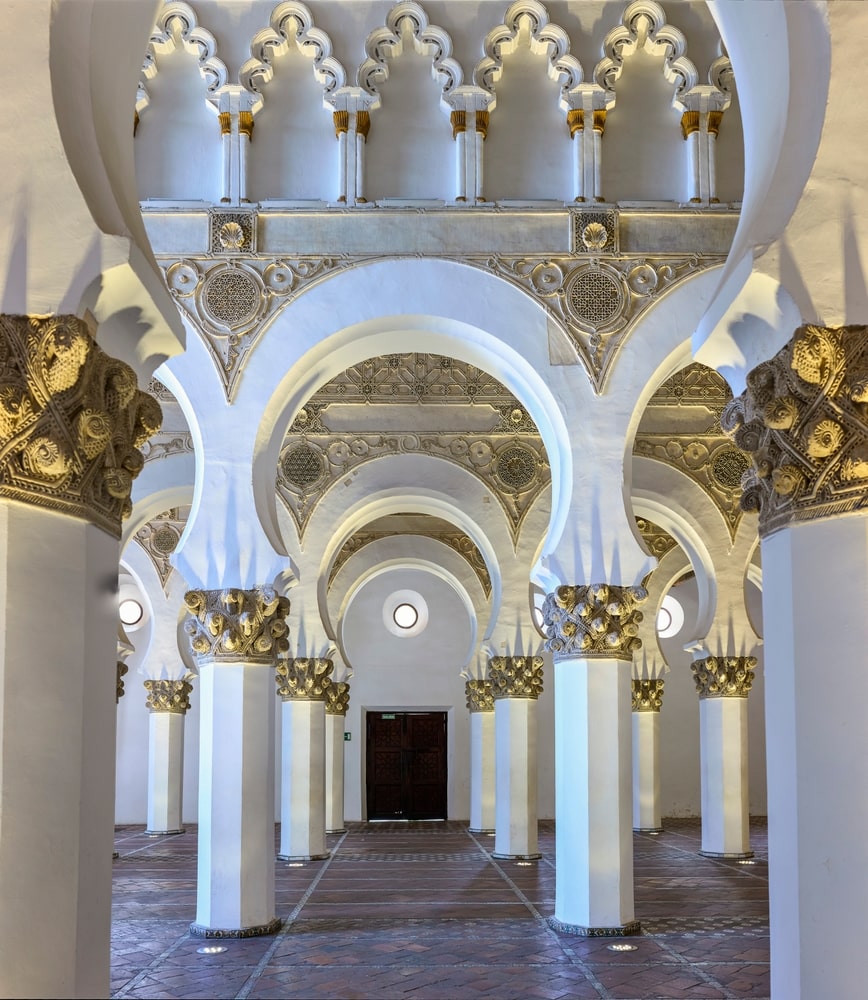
599 620
237 625
723 676
516 676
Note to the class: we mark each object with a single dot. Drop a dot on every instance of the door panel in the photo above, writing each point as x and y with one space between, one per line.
406 765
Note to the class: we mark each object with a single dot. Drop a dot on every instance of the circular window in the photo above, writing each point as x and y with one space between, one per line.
405 616
130 611
405 613
670 617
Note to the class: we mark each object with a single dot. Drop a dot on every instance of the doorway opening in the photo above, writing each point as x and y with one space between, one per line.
406 765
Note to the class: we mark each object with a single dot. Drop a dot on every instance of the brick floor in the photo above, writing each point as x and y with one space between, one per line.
419 910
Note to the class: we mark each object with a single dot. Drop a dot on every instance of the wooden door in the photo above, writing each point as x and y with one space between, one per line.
406 765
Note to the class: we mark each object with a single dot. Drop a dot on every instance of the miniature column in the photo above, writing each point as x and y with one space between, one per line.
480 704
469 120
236 635
301 684
576 125
802 418
646 704
68 458
592 635
168 701
516 683
352 121
337 703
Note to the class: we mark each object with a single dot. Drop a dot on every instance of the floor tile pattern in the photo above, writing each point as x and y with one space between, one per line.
420 910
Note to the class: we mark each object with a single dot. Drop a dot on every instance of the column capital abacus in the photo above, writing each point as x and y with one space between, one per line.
234 625
337 698
480 697
72 419
803 421
168 696
723 676
647 695
516 676
599 620
304 678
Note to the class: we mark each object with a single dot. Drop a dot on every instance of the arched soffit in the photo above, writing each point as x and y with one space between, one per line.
177 23
643 23
148 506
670 569
544 38
291 23
337 324
387 42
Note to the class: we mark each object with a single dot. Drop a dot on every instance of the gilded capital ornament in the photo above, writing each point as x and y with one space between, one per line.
599 619
363 124
245 124
237 625
723 676
341 121
803 419
575 121
458 120
304 678
122 670
168 696
647 696
516 676
689 123
337 698
72 419
480 697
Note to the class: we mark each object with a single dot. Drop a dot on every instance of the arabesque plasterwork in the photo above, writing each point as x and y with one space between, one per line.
723 676
480 696
658 540
235 625
305 678
159 538
515 676
168 696
599 620
803 419
337 698
646 695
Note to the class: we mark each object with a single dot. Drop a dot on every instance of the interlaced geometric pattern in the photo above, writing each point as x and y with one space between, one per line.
516 468
165 540
729 466
231 297
302 466
594 297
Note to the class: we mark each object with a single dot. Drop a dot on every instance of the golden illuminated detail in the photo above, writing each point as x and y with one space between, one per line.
714 120
225 119
337 698
575 121
599 121
122 669
237 625
480 697
516 676
647 696
245 124
459 122
342 122
482 123
689 123
304 678
723 676
168 696
363 124
594 620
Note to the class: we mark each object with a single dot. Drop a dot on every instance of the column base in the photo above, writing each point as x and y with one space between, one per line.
163 833
733 855
485 830
343 829
304 857
515 857
272 927
623 930
647 829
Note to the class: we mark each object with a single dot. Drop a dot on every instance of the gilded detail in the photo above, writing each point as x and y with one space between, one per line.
689 123
122 670
304 678
723 676
482 118
480 697
363 124
245 124
515 677
803 421
168 696
599 121
458 120
337 698
575 121
225 119
647 696
71 420
342 122
714 120
595 620
232 625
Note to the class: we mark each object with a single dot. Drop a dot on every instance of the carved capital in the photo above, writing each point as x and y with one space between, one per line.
647 696
714 120
689 123
341 121
363 124
304 678
122 670
723 676
480 697
803 419
71 420
516 676
232 625
482 120
168 696
595 620
575 121
458 120
245 124
337 698
599 121
225 120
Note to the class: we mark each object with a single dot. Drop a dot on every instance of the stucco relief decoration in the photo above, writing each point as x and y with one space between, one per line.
71 420
516 676
803 419
237 625
159 538
306 678
658 540
723 676
168 696
600 620
121 672
337 698
646 696
480 697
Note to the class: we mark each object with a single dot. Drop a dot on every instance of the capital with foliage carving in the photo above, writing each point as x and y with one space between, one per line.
237 625
304 678
803 419
72 419
723 676
600 620
480 697
122 669
168 696
516 676
647 696
337 698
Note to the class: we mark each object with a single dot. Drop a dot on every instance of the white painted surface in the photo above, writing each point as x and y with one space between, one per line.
334 773
303 777
482 772
516 813
646 771
165 771
724 763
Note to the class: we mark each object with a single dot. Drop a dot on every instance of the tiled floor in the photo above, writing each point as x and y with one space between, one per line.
420 910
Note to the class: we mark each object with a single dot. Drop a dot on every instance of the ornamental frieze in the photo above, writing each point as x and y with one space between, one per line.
515 677
237 625
480 697
337 698
723 676
72 420
168 696
600 620
304 678
803 421
646 695
159 538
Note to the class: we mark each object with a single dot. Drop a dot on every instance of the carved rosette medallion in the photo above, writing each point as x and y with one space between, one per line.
480 697
168 696
803 419
515 677
600 620
72 419
337 698
237 625
723 676
647 696
304 678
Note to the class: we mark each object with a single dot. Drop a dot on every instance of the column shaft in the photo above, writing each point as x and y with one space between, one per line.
334 773
723 748
482 772
302 805
516 778
646 771
165 772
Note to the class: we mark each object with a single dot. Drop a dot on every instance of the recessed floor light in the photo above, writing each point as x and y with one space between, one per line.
523 864
623 947
295 864
653 833
747 861
211 949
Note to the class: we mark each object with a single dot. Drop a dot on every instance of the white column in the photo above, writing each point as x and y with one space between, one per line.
480 131
647 697
334 772
245 138
599 126
302 804
167 704
226 139
482 772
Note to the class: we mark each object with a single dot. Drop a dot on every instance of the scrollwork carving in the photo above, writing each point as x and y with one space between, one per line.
237 625
600 620
337 698
515 676
480 696
122 671
305 678
646 695
723 676
168 696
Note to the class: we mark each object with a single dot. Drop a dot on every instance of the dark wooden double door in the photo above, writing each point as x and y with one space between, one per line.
406 765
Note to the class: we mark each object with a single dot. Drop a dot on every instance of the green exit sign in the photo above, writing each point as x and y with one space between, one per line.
348 737
387 715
